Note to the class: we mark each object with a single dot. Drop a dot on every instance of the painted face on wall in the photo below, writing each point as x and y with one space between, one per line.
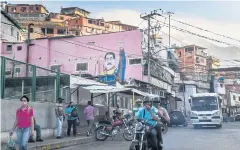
109 61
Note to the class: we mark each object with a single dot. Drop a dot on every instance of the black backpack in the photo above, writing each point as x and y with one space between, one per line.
74 113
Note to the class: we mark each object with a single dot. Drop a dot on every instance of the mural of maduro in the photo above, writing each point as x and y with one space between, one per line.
112 73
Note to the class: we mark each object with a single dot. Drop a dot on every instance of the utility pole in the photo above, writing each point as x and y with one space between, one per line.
28 45
148 18
169 18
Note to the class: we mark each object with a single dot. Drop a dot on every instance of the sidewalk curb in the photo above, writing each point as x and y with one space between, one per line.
61 144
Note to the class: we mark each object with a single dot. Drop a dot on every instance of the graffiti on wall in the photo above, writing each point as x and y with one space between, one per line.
111 71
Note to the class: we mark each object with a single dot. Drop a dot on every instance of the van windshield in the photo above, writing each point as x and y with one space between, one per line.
206 103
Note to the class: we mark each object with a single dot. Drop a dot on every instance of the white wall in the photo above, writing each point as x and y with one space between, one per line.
6 30
235 102
189 90
218 89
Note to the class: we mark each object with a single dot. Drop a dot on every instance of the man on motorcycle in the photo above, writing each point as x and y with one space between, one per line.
138 105
149 114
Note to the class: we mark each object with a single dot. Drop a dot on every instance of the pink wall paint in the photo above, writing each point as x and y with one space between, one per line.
63 52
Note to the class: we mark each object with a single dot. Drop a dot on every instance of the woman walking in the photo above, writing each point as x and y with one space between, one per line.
24 123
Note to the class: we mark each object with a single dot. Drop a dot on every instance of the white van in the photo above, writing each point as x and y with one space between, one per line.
206 110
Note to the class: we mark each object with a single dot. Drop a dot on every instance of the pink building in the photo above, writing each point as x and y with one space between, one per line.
94 55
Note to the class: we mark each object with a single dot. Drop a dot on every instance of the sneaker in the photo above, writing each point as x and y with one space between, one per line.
88 133
59 137
39 140
31 141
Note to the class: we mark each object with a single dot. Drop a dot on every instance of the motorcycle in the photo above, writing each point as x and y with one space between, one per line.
105 129
142 133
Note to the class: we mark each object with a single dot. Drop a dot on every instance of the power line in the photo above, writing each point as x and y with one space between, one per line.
205 30
208 54
195 34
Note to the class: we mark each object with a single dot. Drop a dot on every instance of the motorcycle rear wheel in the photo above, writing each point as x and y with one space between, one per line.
99 136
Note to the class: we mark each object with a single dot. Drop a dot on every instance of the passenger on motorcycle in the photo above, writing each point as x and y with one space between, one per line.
149 114
162 111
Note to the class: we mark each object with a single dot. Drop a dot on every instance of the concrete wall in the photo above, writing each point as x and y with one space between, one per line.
44 114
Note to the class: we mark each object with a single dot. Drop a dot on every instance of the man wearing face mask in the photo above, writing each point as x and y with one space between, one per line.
149 114
71 112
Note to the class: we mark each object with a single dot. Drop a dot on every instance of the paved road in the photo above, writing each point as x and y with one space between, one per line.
179 138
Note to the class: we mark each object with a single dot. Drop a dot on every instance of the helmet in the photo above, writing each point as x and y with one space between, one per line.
156 100
138 100
147 99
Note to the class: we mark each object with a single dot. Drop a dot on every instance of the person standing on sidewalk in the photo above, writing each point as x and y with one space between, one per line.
37 128
24 122
89 116
71 112
60 115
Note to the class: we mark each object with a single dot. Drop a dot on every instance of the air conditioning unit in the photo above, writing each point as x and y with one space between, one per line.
144 61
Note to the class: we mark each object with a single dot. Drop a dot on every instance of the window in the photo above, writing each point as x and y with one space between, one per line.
12 29
55 68
9 47
30 69
101 24
76 21
181 88
135 61
24 9
60 31
31 30
18 36
8 72
234 97
37 8
77 33
189 49
17 70
82 67
19 48
31 8
49 30
180 54
90 21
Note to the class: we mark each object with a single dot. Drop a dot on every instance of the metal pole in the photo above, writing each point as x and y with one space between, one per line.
133 99
149 49
169 32
28 45
184 99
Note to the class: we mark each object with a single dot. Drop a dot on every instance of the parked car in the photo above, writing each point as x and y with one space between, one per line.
237 116
177 118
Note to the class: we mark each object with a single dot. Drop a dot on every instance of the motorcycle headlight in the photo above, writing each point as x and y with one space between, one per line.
194 114
216 113
138 126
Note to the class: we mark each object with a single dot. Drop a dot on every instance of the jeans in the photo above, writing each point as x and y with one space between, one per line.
156 137
90 124
22 137
59 125
70 124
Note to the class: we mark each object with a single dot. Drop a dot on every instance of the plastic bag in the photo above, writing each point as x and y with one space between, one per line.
11 145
